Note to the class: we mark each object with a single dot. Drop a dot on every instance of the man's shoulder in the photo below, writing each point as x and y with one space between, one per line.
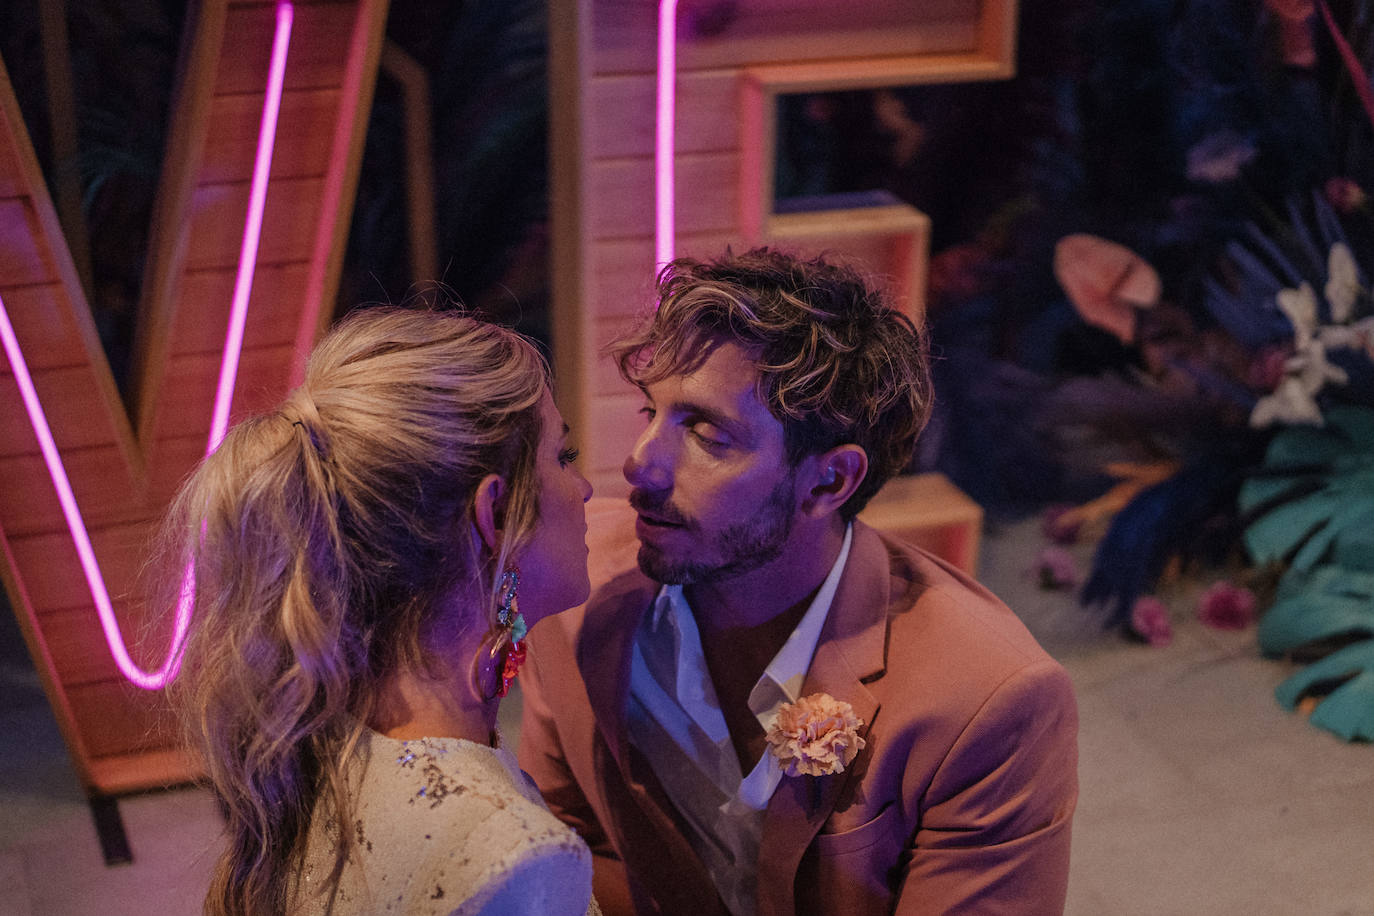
935 607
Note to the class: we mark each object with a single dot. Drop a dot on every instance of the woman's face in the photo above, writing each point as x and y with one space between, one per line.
553 565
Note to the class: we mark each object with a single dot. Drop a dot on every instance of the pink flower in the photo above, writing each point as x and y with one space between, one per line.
815 736
1054 526
1150 619
1227 607
1345 195
1268 368
1219 157
1056 568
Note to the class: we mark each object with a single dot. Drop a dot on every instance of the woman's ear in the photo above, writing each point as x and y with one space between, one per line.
488 511
835 475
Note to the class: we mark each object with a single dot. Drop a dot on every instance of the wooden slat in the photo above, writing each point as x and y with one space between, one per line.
930 512
620 114
315 62
160 768
42 319
99 482
184 409
79 651
11 178
23 259
771 31
305 126
204 296
620 196
52 570
614 426
289 221
81 421
115 717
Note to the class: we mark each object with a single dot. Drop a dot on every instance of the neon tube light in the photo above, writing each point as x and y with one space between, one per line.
233 345
663 133
252 230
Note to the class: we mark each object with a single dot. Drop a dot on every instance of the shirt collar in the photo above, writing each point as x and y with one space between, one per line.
782 680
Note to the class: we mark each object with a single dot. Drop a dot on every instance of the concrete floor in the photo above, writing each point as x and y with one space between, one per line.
1200 795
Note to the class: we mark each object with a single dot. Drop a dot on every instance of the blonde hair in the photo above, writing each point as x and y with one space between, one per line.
324 537
837 363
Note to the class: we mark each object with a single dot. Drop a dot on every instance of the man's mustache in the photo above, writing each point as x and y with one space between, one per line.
658 508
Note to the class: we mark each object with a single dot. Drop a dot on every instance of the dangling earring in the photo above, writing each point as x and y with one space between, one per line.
507 652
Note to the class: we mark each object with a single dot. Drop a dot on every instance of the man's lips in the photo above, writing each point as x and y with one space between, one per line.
656 522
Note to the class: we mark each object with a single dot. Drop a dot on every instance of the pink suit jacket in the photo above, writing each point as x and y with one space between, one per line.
961 801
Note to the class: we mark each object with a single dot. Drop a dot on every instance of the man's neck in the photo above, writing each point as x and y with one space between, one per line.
744 622
752 600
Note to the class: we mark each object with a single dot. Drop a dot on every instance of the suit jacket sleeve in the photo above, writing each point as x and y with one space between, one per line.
541 756
994 835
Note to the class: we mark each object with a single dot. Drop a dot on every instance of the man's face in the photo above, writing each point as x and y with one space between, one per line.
712 487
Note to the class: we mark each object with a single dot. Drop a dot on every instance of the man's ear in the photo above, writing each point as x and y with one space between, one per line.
834 477
488 510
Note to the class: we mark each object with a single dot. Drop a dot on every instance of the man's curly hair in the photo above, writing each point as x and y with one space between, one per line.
837 363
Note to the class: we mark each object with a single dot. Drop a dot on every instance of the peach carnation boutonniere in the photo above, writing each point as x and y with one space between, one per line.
815 736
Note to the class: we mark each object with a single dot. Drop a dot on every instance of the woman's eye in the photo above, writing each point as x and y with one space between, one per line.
647 412
567 456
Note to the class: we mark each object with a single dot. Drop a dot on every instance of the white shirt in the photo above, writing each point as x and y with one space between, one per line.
676 722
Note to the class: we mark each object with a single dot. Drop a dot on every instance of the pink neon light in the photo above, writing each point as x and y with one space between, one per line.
252 231
248 254
663 133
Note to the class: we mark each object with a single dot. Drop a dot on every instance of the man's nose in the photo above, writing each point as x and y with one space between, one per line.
648 466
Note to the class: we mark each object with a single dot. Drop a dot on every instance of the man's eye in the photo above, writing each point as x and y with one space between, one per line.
648 412
704 434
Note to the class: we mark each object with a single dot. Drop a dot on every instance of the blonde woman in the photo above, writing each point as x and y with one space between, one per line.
367 557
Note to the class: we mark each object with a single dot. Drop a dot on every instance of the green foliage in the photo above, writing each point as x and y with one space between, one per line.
1313 509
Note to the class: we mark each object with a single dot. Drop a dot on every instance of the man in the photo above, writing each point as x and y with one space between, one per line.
668 720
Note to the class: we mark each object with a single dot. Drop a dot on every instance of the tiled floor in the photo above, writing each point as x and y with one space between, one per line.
1200 795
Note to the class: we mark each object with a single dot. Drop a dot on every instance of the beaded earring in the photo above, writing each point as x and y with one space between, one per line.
507 652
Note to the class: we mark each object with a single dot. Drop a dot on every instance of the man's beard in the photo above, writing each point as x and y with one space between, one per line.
738 548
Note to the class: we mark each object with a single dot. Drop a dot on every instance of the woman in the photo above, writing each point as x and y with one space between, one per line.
366 559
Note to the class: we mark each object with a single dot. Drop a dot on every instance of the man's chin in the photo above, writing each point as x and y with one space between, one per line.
663 569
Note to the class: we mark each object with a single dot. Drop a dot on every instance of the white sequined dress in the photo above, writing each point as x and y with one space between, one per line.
446 826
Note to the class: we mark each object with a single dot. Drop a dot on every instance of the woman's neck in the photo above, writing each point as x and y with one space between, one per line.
413 706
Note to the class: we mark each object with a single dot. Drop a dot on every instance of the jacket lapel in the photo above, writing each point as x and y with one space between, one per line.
851 651
603 651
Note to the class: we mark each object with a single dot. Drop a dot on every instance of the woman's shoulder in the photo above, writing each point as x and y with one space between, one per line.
443 824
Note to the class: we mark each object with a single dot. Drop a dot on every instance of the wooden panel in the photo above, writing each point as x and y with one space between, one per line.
930 512
613 426
204 297
620 114
77 643
42 320
82 421
99 480
22 259
188 398
766 31
52 570
892 242
620 196
159 768
304 127
12 183
316 62
115 717
289 221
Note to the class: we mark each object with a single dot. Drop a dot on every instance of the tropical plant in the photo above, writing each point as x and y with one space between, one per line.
1311 508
